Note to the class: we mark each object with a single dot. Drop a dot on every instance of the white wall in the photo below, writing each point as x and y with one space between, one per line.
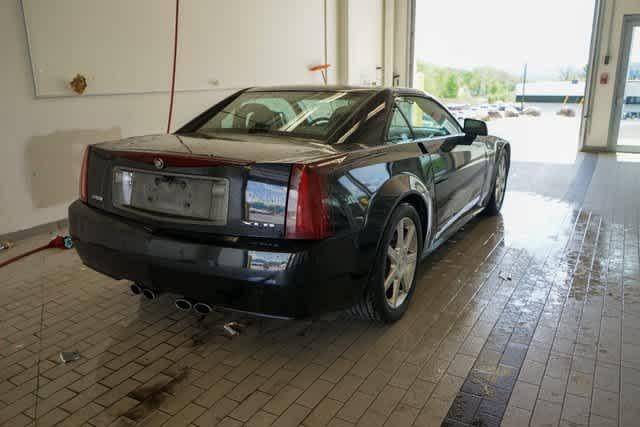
402 49
43 139
364 41
598 129
216 49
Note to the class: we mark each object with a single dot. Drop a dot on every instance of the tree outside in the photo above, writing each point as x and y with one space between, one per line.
485 84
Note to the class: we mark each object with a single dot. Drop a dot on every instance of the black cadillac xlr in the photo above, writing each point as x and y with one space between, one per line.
288 201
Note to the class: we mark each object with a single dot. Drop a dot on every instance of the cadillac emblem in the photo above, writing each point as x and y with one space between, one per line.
158 163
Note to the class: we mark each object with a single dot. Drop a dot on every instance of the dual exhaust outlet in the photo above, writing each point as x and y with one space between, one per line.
185 305
149 294
181 304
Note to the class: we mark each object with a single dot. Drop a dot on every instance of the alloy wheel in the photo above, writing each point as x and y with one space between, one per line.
402 258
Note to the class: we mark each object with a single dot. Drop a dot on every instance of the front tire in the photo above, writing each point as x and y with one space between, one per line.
499 186
392 283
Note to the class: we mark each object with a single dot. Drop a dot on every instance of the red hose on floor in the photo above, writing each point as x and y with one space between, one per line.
173 74
58 242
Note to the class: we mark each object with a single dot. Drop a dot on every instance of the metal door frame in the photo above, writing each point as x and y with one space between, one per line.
629 23
591 77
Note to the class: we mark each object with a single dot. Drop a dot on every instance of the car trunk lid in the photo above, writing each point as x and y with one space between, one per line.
190 194
225 147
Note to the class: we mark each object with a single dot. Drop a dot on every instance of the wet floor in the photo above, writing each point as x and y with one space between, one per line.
532 317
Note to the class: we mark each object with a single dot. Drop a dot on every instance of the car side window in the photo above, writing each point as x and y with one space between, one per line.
399 130
427 118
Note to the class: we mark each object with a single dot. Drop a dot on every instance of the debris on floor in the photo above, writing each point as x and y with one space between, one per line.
505 276
230 331
493 235
69 356
233 329
5 245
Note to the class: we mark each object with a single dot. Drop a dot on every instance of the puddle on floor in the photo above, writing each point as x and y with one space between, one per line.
533 222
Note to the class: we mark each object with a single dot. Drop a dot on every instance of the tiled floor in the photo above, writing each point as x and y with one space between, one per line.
531 317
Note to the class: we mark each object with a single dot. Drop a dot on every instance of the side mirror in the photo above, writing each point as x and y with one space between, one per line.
473 128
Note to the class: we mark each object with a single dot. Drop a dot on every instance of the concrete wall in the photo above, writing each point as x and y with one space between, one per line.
611 35
43 139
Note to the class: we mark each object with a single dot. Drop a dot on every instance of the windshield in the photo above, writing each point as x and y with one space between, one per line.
305 114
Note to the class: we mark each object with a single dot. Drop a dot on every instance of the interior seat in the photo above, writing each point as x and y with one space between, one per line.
256 116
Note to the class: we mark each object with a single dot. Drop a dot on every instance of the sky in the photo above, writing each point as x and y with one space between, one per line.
547 34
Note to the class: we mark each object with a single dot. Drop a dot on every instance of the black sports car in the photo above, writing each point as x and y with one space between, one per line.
288 201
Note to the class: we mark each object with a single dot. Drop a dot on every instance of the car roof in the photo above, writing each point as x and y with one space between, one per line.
339 88
316 88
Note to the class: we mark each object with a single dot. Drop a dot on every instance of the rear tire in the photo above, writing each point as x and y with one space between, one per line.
499 186
393 278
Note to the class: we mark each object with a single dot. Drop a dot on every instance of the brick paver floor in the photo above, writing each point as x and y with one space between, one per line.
528 318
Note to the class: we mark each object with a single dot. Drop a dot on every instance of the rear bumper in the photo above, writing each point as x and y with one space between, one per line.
281 279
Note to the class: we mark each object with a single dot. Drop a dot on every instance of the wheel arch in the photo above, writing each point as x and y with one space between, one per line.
402 188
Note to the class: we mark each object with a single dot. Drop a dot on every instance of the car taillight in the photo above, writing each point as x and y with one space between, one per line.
84 170
307 213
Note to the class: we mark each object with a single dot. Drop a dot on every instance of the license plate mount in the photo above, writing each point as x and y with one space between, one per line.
176 195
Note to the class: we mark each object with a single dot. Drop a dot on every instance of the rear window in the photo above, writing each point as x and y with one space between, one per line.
297 113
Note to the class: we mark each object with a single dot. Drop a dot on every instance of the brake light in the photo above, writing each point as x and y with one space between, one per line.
84 170
307 211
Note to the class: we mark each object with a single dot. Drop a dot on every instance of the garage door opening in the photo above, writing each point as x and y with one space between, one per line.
520 66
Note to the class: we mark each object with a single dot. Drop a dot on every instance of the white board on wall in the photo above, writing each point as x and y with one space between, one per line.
124 46
241 43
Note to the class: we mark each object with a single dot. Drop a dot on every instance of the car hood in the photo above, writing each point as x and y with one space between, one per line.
245 148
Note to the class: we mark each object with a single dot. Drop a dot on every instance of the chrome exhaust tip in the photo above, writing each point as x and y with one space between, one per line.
202 308
183 304
149 294
137 290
